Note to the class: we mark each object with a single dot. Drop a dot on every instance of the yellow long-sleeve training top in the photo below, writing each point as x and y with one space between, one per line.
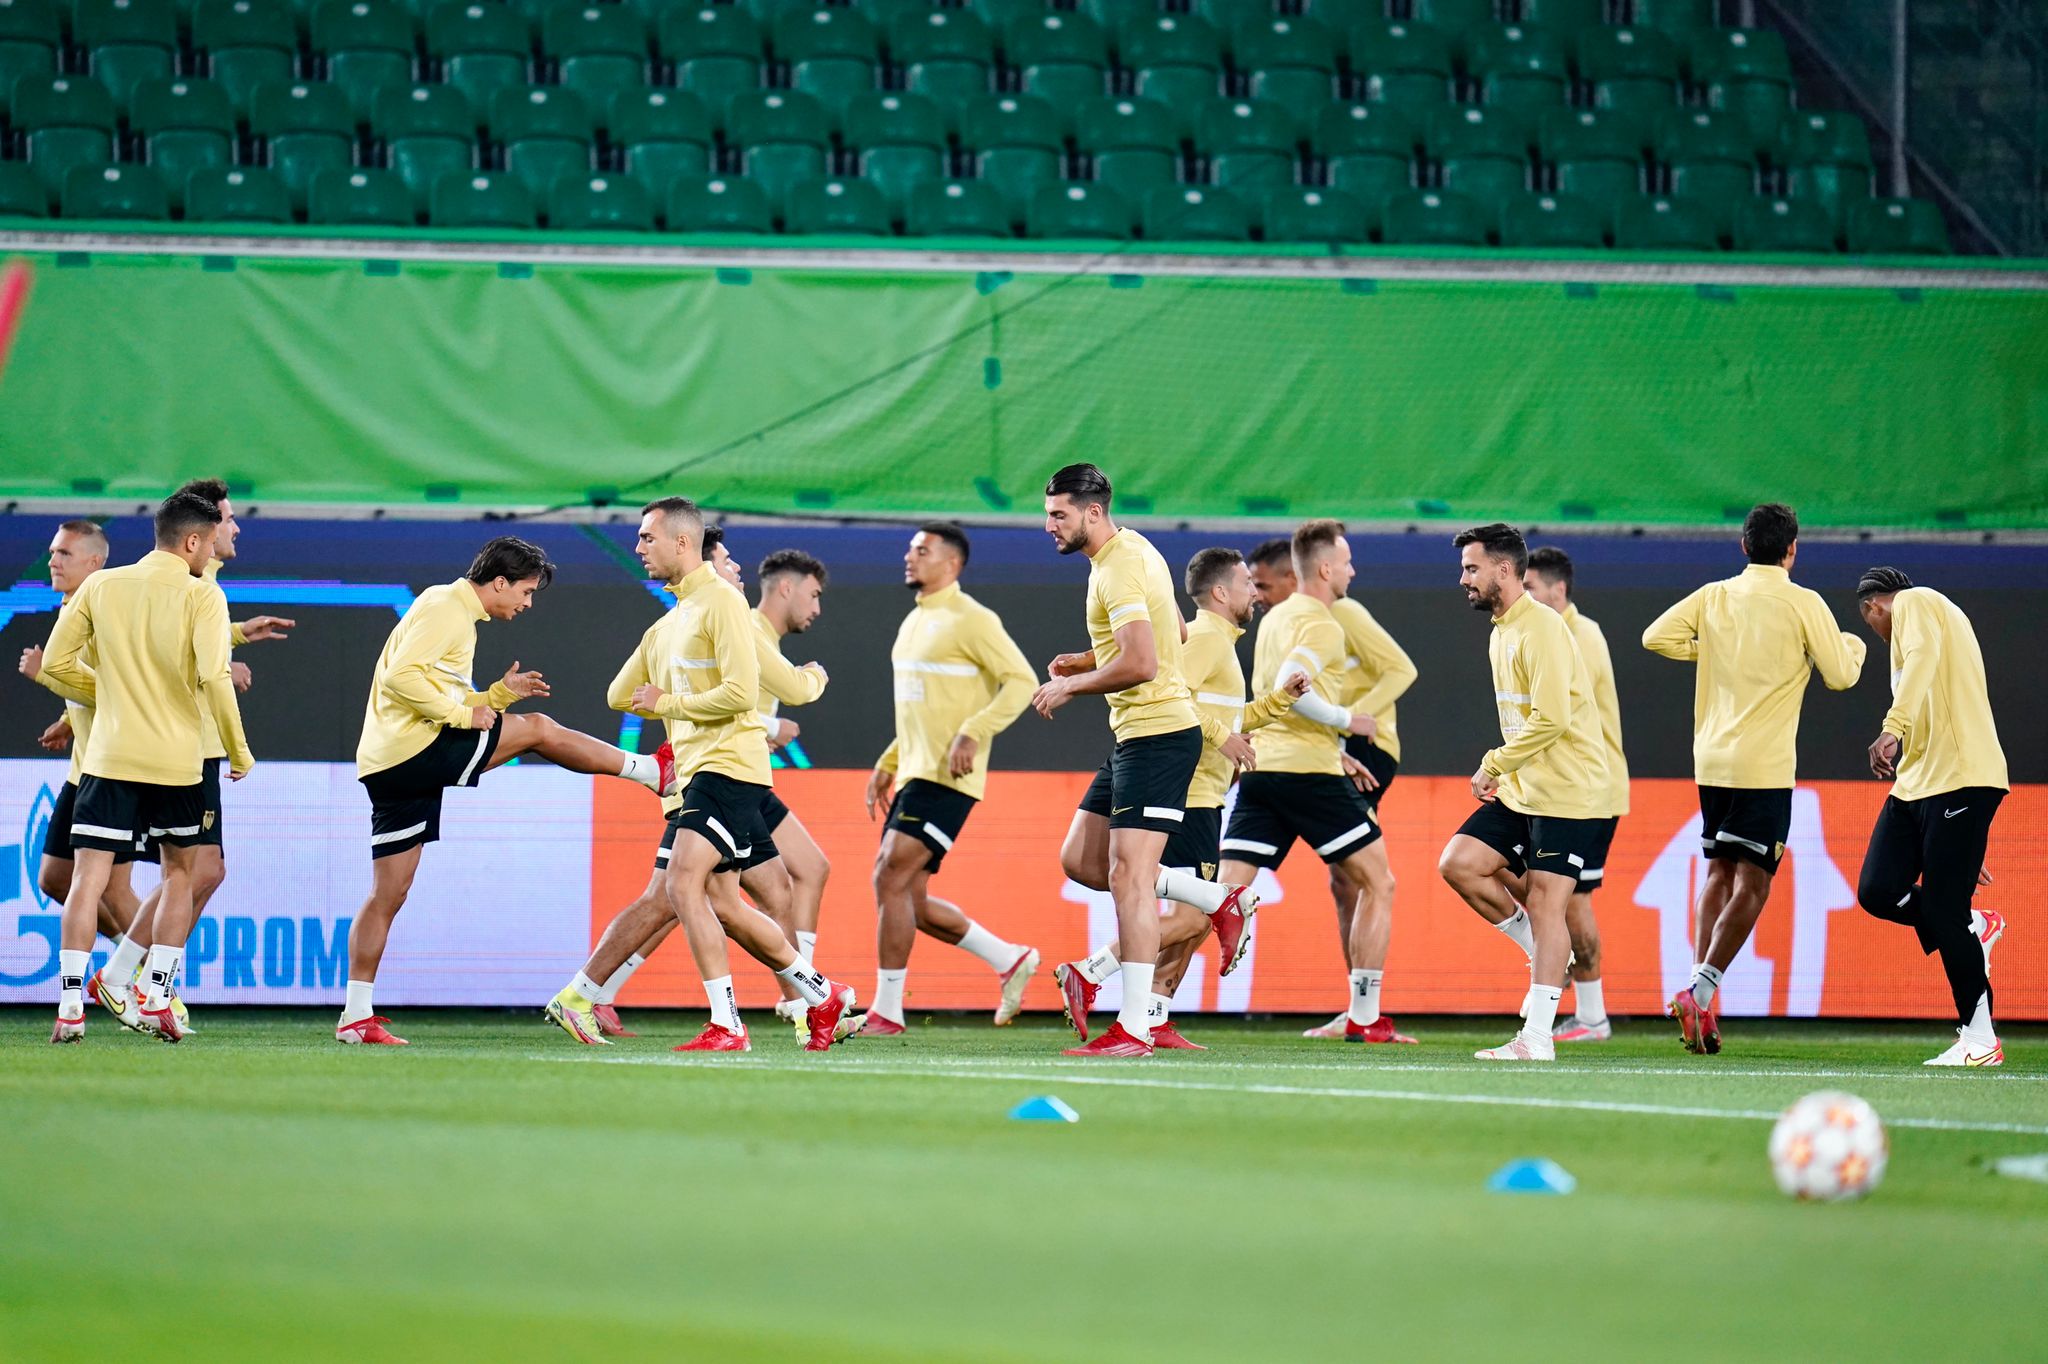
704 654
782 682
1593 652
1129 581
1377 672
957 671
77 701
1300 631
1754 637
422 684
1217 679
159 642
210 745
1941 706
1551 760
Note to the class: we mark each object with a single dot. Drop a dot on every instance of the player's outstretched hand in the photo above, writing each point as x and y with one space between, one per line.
1239 750
781 731
1296 685
1485 786
1051 696
31 665
240 675
525 684
1070 665
1361 775
646 697
960 757
1983 876
881 791
482 717
57 737
1884 756
256 629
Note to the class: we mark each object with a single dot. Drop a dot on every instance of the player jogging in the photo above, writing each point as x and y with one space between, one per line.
1755 638
1939 746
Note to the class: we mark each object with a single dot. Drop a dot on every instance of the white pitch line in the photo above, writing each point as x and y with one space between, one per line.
1301 1091
1704 1069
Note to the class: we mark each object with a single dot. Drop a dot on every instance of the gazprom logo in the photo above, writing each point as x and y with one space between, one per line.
38 828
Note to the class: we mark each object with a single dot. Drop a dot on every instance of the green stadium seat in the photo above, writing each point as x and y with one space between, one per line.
1712 161
1631 69
1367 151
1116 15
364 46
1565 18
109 192
1000 14
1016 145
31 36
832 54
482 199
1133 143
1783 225
1457 20
246 43
945 55
664 138
769 12
900 140
597 49
428 131
1094 212
716 50
237 194
1250 146
1290 60
1520 67
1401 63
185 124
1553 220
884 13
547 134
22 195
1060 57
1484 152
1176 60
482 47
126 42
1660 222
1434 217
723 203
1311 213
957 208
1193 213
1341 16
1747 74
1596 153
307 127
1897 227
360 198
1228 16
784 136
67 123
842 207
1681 19
600 203
1830 159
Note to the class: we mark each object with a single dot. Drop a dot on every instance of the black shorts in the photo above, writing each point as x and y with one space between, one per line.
1273 809
116 816
932 814
1144 785
773 812
1195 845
760 845
57 833
1594 874
209 779
1377 761
1564 847
405 801
726 813
668 843
1746 824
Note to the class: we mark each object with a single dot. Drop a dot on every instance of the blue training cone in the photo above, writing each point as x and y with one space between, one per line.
1044 1108
1532 1176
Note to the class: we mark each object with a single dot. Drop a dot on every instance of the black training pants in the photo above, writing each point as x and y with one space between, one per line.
1921 870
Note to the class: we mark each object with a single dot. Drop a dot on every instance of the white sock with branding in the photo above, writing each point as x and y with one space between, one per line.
643 768
1190 889
725 1005
1000 955
807 945
888 1000
1159 1011
1365 996
609 991
71 966
161 971
806 980
1589 1001
586 987
1516 926
357 1006
1705 980
1137 999
1099 965
126 961
1542 1010
1978 1032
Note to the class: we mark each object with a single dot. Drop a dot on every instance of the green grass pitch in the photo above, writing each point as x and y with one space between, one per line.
495 1192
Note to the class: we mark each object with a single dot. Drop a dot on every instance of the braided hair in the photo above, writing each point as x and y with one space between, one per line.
1877 582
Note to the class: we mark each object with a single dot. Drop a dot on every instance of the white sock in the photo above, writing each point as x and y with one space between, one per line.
126 961
807 945
71 966
725 1005
1590 1001
1542 1010
1190 889
357 1006
1516 926
643 768
1365 996
1099 965
1158 1011
1137 999
1978 1031
162 971
1000 955
806 979
1705 980
888 1000
609 991
585 986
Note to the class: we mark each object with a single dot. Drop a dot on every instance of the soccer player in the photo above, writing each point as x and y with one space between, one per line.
158 639
1549 580
960 680
1755 639
1541 794
1939 747
426 728
704 653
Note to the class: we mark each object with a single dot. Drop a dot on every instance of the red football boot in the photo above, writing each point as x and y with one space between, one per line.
824 1018
1077 996
1166 1037
608 1022
1232 922
879 1026
716 1038
368 1032
1710 1030
1113 1042
1381 1029
1691 1019
163 1023
665 762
